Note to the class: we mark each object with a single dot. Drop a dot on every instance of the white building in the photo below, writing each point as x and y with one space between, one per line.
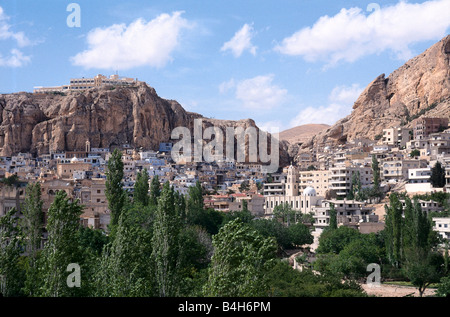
348 212
442 226
77 84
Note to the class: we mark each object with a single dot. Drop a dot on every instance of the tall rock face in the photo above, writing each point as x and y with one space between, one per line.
41 123
421 87
44 123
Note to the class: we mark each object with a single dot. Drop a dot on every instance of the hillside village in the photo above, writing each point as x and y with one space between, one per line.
333 176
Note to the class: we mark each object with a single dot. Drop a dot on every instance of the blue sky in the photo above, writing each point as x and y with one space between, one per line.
282 63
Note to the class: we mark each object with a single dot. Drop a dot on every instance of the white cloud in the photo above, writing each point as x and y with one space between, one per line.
341 103
346 95
140 43
353 33
241 41
274 126
259 93
227 86
16 57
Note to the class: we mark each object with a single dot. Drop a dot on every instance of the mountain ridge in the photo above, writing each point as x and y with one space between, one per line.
420 87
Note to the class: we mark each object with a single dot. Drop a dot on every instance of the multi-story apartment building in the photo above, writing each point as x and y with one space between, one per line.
277 186
442 226
394 168
419 175
427 205
423 127
348 213
340 179
439 143
317 179
397 136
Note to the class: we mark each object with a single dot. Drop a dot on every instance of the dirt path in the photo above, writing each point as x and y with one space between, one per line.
395 291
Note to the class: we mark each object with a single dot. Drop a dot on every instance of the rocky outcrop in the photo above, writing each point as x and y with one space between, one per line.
421 87
44 123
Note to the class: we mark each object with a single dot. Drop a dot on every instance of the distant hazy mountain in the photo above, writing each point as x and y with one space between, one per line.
302 133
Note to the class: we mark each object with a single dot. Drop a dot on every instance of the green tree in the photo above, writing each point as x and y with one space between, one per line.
245 186
334 241
437 177
155 190
241 259
180 205
209 219
61 248
351 262
443 289
393 229
273 228
114 186
165 243
284 281
423 268
299 234
11 277
333 217
414 153
194 204
32 226
194 256
284 212
125 268
422 265
92 239
375 192
141 188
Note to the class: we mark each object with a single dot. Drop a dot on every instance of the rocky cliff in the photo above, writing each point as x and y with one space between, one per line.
46 122
421 87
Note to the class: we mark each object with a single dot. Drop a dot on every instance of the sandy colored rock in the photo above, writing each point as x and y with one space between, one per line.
44 123
422 84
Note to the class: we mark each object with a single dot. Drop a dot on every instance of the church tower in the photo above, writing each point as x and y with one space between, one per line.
292 182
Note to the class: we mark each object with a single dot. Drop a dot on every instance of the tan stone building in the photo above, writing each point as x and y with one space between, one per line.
67 170
317 179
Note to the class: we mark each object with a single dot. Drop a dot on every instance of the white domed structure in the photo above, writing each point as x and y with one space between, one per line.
309 191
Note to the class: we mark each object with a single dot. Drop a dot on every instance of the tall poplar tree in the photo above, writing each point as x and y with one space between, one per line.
421 264
333 217
62 247
141 188
166 228
11 279
155 191
114 186
32 225
241 259
125 268
375 191
393 229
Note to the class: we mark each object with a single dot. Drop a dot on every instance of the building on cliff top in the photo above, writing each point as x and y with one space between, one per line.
78 84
